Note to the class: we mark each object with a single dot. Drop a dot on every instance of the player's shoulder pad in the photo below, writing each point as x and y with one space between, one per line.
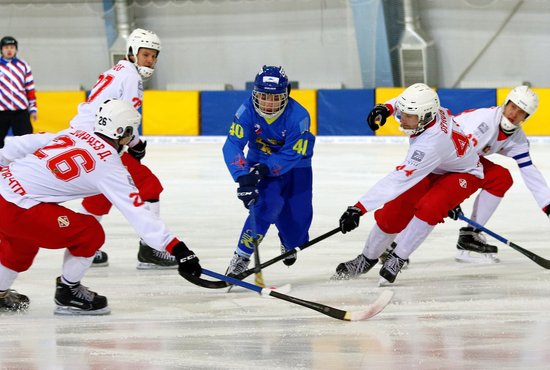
240 111
304 125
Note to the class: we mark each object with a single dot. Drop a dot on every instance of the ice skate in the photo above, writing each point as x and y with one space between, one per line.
12 301
472 247
384 256
78 300
152 259
237 265
390 269
101 259
353 268
290 260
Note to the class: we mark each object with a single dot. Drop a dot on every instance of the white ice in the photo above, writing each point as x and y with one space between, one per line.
444 315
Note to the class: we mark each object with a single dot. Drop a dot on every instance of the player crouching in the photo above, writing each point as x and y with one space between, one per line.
42 170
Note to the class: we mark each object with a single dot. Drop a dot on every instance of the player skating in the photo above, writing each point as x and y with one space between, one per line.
498 130
275 177
441 169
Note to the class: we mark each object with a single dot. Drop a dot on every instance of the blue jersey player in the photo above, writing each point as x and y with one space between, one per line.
275 177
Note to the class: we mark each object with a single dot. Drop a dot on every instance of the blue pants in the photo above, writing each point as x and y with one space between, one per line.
285 201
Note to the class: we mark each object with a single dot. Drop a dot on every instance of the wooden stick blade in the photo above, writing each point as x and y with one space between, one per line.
372 310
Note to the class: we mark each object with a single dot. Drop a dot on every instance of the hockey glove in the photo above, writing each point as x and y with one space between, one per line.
377 116
247 191
455 212
350 219
257 172
547 210
188 262
248 194
138 150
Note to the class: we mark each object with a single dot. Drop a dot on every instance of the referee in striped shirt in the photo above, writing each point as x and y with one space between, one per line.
17 95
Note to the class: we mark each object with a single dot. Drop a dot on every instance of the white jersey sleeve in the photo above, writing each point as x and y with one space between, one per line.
419 162
119 188
22 146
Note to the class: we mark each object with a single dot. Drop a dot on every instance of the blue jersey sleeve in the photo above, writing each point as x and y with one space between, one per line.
233 149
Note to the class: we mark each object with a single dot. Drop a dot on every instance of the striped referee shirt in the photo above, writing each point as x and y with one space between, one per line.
16 86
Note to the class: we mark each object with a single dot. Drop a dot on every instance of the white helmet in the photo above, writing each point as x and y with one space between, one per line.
526 99
117 119
140 38
419 100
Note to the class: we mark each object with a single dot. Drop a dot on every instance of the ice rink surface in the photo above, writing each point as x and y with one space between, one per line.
444 315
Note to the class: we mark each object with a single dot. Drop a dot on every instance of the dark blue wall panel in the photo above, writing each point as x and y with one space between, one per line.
217 110
458 100
343 112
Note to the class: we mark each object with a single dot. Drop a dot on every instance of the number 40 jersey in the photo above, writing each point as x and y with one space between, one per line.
282 144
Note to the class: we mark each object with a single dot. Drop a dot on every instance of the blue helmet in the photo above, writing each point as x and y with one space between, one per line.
270 94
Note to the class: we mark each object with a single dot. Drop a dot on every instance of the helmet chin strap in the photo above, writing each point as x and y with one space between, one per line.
145 72
413 131
508 127
407 131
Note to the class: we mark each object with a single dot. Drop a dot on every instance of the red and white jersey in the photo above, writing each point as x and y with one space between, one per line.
17 90
73 164
121 82
441 148
483 129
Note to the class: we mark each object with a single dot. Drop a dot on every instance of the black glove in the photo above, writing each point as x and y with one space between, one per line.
350 219
546 210
455 212
188 262
257 172
248 194
138 150
379 113
247 190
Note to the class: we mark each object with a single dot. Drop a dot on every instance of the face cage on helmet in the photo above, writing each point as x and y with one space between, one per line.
128 132
144 72
421 123
259 97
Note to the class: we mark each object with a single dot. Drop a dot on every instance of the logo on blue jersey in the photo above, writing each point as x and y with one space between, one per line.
418 156
257 129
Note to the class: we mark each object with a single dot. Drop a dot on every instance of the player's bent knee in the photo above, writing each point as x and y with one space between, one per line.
499 183
91 240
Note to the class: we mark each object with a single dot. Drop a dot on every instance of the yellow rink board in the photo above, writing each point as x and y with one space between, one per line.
56 109
538 123
308 98
171 113
381 95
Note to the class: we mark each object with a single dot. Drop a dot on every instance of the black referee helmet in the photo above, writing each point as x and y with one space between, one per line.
8 40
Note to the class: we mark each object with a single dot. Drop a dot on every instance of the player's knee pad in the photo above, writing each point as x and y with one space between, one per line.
499 182
392 222
432 212
91 241
18 262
